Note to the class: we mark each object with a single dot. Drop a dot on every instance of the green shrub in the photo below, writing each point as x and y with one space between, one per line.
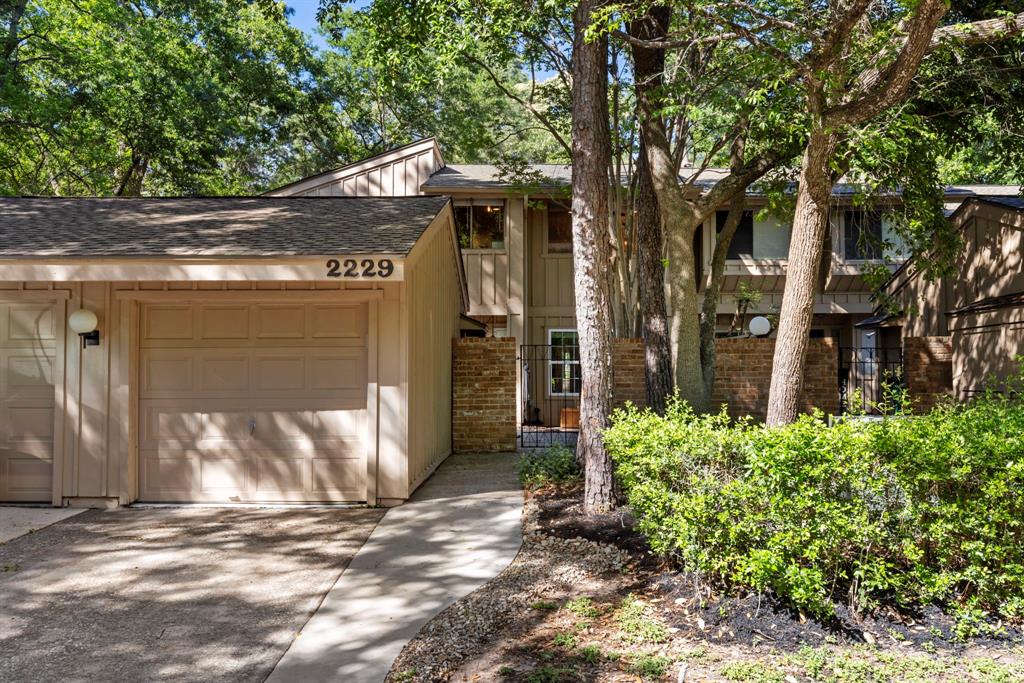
553 466
907 510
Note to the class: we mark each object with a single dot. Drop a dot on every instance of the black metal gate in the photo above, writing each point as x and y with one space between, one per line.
550 393
869 379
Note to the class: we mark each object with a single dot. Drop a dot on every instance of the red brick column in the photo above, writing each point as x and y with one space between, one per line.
928 364
628 368
743 375
483 395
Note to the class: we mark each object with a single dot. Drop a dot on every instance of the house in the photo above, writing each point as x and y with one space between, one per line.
972 320
225 349
517 251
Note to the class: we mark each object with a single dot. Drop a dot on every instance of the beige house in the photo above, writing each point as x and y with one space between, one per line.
979 309
245 349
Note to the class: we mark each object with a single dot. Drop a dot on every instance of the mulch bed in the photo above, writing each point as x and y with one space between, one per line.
541 637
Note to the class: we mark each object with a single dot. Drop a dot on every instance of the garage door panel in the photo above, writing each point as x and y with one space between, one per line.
337 475
280 373
27 359
279 415
280 321
222 474
219 373
29 370
167 474
224 322
277 474
164 373
30 323
168 322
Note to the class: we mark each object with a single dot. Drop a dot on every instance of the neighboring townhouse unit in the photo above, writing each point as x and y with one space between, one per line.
516 248
970 323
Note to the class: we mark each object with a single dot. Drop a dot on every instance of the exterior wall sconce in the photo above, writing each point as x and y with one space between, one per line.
760 326
83 322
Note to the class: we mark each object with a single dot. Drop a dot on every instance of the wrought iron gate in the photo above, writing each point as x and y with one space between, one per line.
869 378
550 410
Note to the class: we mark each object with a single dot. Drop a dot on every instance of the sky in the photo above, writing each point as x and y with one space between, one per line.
305 17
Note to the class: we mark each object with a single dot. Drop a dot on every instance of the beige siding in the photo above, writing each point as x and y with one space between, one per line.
96 396
399 173
487 280
433 313
550 288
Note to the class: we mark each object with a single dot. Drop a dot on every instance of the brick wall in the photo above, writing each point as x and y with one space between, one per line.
928 364
484 395
743 372
628 374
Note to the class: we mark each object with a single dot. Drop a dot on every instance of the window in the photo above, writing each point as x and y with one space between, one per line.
742 244
559 230
481 224
862 238
564 365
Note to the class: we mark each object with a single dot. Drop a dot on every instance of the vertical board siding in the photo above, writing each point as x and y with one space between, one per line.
487 280
434 308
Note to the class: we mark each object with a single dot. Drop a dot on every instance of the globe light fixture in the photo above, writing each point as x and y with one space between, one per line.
83 322
760 326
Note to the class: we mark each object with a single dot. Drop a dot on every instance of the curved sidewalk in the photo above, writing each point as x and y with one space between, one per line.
459 530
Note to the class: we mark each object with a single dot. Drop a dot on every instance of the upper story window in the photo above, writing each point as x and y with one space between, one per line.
480 223
756 238
862 237
559 229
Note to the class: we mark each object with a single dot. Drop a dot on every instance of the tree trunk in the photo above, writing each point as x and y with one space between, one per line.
591 154
810 226
651 274
709 311
648 67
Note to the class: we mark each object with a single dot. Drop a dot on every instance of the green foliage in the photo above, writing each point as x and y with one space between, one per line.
752 672
591 654
551 674
908 510
636 625
554 466
582 607
566 640
649 667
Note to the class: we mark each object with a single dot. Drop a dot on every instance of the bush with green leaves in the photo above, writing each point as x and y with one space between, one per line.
553 466
907 510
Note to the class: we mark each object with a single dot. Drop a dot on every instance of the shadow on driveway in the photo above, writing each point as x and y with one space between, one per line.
180 594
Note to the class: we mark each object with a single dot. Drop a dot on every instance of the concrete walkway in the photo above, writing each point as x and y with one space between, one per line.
18 521
461 529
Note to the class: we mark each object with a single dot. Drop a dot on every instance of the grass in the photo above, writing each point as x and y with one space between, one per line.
752 672
566 640
544 605
552 674
591 654
636 626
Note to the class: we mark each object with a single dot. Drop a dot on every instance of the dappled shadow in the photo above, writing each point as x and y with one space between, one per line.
461 529
180 594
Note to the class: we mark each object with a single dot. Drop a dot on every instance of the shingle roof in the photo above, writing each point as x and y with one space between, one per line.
488 176
213 226
1012 202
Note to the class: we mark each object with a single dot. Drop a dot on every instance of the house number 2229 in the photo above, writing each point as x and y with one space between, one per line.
365 268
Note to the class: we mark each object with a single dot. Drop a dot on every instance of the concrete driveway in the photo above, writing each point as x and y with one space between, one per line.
168 594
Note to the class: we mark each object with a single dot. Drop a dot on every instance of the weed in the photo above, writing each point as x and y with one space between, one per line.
636 625
583 607
752 672
591 654
566 640
544 604
551 674
506 671
556 465
405 676
649 666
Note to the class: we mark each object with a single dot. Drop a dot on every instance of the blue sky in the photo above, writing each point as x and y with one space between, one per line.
305 17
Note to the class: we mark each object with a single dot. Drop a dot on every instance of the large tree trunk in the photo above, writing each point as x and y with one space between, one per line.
651 273
591 154
648 67
810 227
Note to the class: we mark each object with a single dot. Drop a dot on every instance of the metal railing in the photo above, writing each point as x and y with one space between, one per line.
870 379
551 383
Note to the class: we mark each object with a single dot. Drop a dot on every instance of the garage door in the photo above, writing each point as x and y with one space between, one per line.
27 352
253 402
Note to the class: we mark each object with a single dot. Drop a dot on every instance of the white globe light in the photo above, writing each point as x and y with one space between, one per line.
82 321
759 326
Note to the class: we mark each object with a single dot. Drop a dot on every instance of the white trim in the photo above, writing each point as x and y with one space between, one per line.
552 362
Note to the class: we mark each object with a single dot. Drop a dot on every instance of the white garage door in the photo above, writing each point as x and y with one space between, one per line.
253 402
27 348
